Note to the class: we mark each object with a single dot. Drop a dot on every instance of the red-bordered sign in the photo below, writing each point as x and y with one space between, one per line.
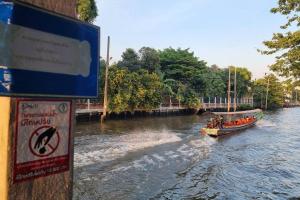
42 138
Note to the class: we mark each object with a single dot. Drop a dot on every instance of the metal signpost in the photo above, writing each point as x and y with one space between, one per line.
46 60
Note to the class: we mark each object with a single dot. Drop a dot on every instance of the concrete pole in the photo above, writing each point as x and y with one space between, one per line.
103 116
215 102
234 89
228 91
88 102
56 186
267 94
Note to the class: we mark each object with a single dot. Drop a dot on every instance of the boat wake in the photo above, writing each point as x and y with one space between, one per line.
104 148
265 123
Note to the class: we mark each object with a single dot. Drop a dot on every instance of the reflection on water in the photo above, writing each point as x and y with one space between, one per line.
167 158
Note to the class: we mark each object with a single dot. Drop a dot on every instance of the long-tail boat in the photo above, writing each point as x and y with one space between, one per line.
228 122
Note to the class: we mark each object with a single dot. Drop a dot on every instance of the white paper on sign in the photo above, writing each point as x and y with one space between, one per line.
30 49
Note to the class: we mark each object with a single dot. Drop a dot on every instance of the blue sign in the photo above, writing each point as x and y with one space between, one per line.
46 54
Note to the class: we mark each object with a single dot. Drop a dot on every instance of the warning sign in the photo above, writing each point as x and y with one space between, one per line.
42 138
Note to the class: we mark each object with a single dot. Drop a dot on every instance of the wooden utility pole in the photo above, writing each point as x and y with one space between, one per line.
105 101
228 91
234 89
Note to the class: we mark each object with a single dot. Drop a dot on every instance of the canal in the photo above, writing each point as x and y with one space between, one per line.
167 158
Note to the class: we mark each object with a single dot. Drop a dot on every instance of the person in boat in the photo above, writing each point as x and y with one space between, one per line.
247 119
210 123
221 121
215 122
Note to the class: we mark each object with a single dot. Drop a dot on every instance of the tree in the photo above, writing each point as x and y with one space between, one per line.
243 78
288 89
296 91
286 45
275 92
101 78
180 65
191 100
87 10
130 59
168 89
149 59
153 90
215 68
120 89
129 91
180 93
259 91
214 84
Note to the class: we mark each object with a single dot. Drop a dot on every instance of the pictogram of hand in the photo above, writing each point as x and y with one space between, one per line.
47 135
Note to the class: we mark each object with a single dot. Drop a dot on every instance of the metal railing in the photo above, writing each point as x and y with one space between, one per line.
212 103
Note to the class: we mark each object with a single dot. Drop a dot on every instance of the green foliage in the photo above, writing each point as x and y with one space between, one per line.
144 80
153 90
275 94
149 59
291 90
259 93
187 73
180 92
191 99
215 82
130 60
180 65
101 78
244 107
120 89
87 10
169 86
243 80
133 90
290 8
287 45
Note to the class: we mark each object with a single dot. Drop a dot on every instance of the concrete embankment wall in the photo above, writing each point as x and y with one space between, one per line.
95 116
84 117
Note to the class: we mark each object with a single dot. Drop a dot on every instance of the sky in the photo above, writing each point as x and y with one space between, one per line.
221 32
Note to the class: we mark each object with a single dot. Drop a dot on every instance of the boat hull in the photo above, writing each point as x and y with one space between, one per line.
215 132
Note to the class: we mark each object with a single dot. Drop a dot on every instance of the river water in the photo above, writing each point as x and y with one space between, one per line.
167 158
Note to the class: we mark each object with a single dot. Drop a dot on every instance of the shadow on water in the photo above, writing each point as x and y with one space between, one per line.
138 124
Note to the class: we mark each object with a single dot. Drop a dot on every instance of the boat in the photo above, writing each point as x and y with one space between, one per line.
228 122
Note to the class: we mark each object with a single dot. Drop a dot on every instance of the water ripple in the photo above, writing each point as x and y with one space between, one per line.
259 163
